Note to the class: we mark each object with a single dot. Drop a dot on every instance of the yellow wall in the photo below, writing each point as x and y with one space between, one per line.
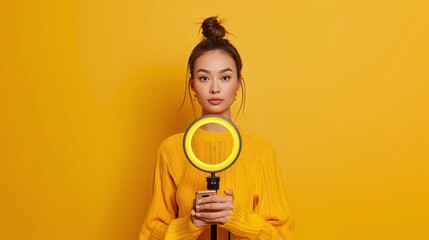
88 89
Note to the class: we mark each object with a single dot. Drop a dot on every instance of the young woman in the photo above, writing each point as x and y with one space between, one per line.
251 202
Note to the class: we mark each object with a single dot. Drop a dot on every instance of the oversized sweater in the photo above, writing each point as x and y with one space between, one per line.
260 207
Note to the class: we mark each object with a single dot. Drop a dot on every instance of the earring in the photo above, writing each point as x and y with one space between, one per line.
195 95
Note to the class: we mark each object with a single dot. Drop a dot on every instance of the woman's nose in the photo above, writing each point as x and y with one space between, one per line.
214 87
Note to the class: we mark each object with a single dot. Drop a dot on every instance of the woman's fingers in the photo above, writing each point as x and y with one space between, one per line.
196 220
229 192
215 208
214 217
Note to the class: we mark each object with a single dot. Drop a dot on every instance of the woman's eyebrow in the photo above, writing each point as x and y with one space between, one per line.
226 70
221 71
203 70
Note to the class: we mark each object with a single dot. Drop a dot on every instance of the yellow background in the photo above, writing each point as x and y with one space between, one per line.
90 88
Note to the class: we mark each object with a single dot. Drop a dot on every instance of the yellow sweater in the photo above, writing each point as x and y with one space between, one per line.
260 207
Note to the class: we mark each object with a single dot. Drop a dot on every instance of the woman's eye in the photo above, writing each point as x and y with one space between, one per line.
204 78
226 78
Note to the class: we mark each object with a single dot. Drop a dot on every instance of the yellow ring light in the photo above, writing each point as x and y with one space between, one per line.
236 139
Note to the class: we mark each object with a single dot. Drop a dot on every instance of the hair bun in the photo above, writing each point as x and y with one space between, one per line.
212 28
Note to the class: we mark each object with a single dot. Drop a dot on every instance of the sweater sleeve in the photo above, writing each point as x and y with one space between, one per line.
161 221
271 217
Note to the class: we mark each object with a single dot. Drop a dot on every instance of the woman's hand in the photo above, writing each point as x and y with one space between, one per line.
215 209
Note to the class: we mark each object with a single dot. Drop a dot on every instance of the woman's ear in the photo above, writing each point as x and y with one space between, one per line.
191 84
239 84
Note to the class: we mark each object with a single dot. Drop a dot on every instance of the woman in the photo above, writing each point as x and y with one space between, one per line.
253 204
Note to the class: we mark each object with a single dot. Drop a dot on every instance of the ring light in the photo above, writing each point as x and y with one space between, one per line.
236 139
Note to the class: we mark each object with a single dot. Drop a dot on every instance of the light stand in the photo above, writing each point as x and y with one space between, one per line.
212 180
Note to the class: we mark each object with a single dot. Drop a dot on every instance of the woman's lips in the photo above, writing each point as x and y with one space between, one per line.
215 101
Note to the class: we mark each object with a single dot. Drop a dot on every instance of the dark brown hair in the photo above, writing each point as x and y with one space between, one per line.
214 34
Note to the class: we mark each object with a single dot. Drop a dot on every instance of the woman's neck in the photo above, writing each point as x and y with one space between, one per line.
214 127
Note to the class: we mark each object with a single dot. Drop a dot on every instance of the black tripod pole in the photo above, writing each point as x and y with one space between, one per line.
213 184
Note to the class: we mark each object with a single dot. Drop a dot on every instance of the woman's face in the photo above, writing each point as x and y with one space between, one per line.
215 82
